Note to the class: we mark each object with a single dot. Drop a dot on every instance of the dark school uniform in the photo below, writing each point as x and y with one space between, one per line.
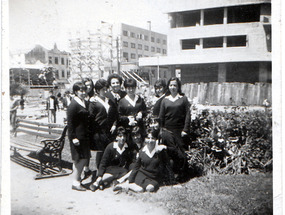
115 161
77 121
102 116
148 168
128 107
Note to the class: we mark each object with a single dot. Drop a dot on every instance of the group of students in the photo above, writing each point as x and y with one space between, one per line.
138 147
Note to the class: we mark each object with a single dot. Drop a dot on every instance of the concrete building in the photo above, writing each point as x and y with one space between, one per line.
218 41
52 58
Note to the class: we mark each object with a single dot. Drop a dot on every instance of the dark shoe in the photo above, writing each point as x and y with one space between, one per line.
115 182
86 175
93 187
78 188
117 188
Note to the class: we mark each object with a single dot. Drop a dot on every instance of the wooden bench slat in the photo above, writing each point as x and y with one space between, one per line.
26 143
49 136
25 148
52 125
51 130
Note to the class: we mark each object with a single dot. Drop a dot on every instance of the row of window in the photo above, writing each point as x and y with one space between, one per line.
62 74
142 37
56 60
146 48
132 55
215 42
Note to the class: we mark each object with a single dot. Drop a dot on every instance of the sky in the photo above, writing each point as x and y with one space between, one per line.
46 22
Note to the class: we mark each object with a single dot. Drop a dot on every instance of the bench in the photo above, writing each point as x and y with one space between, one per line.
47 152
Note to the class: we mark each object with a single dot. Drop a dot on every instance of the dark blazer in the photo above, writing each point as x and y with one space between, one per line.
110 96
156 107
77 121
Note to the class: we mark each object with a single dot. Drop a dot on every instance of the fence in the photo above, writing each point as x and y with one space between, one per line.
229 93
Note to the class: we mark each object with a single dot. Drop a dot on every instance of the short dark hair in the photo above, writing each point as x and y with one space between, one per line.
114 75
130 83
78 86
178 85
100 84
90 91
160 83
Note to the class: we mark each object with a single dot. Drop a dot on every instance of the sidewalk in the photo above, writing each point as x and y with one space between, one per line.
55 196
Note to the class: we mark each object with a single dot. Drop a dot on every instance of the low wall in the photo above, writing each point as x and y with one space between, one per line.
215 93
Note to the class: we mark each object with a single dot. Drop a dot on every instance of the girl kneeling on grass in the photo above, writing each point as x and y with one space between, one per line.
115 161
146 175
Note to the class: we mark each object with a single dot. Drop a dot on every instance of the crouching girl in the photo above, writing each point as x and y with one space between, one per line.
146 175
115 161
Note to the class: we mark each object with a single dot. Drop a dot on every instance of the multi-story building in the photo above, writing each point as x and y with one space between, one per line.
218 41
52 58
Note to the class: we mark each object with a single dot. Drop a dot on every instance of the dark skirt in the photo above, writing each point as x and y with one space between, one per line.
80 152
116 171
143 180
100 141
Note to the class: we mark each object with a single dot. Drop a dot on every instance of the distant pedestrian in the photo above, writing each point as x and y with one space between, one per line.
51 107
14 104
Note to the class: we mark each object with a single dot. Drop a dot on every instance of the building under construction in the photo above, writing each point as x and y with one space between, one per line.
218 41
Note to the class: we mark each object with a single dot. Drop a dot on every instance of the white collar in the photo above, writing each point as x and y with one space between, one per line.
146 150
173 99
116 95
79 101
132 102
119 150
104 103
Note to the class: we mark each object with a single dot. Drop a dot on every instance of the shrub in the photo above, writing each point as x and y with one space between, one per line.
233 142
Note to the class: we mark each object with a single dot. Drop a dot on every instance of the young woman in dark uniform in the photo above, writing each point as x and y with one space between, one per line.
146 175
102 114
174 115
77 121
115 161
131 109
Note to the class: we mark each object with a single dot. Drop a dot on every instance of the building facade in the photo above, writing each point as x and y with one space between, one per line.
52 58
218 41
136 43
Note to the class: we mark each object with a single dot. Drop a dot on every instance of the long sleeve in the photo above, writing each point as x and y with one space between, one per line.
135 170
187 117
71 112
162 113
107 156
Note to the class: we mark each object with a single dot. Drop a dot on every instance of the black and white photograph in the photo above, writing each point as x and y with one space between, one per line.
141 107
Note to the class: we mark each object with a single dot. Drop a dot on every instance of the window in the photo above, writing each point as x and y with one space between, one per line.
68 73
50 60
125 44
152 39
125 33
133 45
158 50
133 56
126 56
164 42
213 16
62 74
56 60
190 44
236 41
62 61
139 55
140 46
214 42
133 35
158 40
145 37
67 62
152 49
246 13
139 36
164 51
146 48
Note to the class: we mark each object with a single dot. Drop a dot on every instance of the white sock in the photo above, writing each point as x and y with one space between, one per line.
86 169
76 183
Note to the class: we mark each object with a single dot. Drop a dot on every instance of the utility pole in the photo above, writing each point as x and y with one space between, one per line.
118 52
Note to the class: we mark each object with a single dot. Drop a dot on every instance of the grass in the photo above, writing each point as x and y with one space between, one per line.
216 194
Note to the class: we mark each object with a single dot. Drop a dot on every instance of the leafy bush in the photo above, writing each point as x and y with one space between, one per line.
231 142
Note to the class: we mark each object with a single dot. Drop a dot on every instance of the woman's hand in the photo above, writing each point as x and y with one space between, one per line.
139 115
113 129
76 142
183 133
161 147
132 121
